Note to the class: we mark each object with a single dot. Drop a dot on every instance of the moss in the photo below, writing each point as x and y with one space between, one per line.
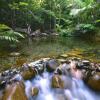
20 61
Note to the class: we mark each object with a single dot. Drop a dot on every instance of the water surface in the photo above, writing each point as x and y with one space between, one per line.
31 49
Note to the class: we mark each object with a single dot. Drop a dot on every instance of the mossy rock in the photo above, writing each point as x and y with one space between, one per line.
29 74
57 82
34 91
15 91
94 82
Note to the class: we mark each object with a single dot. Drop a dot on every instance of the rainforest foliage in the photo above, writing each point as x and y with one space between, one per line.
66 17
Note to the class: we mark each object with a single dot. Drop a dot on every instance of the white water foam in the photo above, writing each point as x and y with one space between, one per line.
78 91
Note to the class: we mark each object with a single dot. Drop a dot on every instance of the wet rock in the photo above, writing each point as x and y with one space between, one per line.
9 76
51 65
39 68
64 55
38 65
57 82
94 82
28 74
45 59
15 54
44 34
17 77
36 33
34 91
62 60
86 62
63 69
15 91
33 64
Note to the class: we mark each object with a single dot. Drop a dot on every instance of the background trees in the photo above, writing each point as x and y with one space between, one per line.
66 17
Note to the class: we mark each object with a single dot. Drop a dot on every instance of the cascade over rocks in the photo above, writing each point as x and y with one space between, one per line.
63 73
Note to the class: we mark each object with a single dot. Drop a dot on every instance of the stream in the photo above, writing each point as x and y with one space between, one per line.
77 91
69 86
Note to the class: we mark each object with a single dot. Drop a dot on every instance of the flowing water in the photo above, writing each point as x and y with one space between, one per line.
77 91
51 47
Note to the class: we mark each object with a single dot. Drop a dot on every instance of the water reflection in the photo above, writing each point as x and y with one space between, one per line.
48 47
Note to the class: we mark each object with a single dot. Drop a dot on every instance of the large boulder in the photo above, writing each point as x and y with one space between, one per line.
51 65
15 91
94 81
29 74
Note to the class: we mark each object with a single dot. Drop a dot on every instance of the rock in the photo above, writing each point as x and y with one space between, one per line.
34 91
15 54
86 62
44 34
58 71
38 65
28 74
94 82
64 55
15 91
33 64
51 65
36 33
62 60
17 77
57 82
39 68
45 59
63 69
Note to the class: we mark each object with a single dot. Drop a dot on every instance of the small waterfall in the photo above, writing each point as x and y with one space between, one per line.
78 90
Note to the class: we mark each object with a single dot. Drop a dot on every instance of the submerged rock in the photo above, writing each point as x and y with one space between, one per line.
15 91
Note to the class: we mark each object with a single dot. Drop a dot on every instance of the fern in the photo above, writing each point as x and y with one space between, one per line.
8 34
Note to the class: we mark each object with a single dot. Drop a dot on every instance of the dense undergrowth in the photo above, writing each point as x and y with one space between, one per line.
66 17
